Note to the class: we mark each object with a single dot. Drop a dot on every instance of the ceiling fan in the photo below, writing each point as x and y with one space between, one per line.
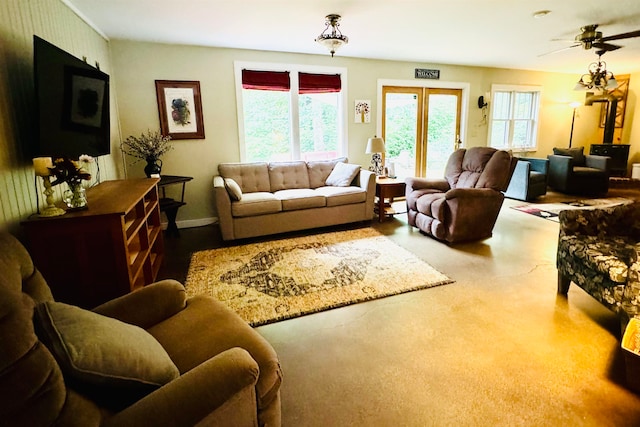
590 38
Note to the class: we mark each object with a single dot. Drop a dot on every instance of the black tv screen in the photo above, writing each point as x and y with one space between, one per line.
72 103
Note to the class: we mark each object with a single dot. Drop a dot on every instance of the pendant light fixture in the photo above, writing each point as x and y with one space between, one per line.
331 37
597 78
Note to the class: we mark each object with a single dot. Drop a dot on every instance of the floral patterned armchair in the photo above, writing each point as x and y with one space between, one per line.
598 251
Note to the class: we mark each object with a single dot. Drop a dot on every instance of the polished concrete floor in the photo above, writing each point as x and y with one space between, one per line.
498 347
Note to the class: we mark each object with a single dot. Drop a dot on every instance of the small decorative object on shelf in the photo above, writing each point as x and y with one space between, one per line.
73 173
149 146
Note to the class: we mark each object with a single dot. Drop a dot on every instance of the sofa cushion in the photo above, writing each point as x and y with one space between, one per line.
288 175
251 177
342 174
259 203
577 153
300 198
337 196
233 189
99 352
320 170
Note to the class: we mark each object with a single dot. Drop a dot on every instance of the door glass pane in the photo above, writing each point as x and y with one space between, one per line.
266 125
401 121
318 126
441 132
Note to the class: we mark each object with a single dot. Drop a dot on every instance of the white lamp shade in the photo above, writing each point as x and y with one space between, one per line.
375 145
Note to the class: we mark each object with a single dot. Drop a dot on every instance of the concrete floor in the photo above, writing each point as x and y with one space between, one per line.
498 347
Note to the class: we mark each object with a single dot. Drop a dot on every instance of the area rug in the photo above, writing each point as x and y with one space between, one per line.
276 280
551 211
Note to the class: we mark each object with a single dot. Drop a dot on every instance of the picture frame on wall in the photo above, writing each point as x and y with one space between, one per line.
180 109
86 99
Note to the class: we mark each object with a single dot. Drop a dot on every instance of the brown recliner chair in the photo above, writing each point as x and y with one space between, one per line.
187 362
464 205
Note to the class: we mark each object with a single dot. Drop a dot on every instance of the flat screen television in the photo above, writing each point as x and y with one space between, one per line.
72 100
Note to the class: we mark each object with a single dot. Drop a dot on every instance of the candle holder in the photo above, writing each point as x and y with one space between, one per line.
41 166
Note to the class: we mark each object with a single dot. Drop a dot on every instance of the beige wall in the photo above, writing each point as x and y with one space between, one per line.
56 23
138 64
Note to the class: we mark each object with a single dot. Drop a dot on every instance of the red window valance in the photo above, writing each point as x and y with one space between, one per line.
266 80
319 83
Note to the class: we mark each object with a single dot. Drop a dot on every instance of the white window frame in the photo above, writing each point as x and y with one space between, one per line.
533 135
293 69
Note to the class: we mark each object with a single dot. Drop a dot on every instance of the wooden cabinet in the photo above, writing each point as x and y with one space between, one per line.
619 154
112 248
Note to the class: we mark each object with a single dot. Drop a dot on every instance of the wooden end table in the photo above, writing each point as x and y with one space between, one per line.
388 188
170 206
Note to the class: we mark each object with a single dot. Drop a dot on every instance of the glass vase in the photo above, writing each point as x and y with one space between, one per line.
75 197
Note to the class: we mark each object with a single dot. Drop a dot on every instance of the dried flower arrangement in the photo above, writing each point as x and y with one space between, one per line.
70 171
148 146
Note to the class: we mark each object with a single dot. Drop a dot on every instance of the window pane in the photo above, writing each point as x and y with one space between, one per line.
520 133
523 104
501 105
499 133
318 126
267 125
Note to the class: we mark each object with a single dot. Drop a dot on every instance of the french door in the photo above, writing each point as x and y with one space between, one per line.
421 128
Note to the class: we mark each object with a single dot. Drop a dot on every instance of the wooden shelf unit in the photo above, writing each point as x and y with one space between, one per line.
114 247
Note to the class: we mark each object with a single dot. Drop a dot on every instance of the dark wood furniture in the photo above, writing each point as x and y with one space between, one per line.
619 154
169 205
112 248
387 188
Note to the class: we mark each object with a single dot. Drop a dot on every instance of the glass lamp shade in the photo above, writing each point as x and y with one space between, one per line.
331 42
612 83
375 145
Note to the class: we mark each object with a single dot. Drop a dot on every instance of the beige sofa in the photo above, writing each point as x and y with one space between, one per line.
256 199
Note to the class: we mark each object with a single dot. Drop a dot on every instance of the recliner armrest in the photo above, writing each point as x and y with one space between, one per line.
415 183
147 306
473 193
196 394
598 162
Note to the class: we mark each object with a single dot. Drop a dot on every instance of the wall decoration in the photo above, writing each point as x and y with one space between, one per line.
621 93
362 111
85 99
180 109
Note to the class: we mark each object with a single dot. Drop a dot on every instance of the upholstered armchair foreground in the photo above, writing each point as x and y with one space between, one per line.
571 172
149 358
598 251
529 179
464 205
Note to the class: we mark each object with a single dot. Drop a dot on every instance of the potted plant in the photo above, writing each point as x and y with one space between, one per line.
149 146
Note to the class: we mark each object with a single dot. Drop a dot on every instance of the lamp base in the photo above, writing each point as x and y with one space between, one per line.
376 164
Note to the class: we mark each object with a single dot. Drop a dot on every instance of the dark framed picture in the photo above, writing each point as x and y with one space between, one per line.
180 109
86 99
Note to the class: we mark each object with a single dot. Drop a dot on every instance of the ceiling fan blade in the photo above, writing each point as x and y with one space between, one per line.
621 36
605 47
560 50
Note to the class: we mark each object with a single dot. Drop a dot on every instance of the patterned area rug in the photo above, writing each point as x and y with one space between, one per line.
277 280
551 211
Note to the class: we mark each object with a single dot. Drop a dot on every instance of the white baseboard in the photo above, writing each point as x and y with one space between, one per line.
191 223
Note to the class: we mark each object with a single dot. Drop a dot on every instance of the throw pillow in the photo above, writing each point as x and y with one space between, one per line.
113 362
342 174
576 153
234 190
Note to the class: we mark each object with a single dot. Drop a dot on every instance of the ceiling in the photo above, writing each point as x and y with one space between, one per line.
491 33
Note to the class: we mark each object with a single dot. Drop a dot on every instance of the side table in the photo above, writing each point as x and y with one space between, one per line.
388 188
170 206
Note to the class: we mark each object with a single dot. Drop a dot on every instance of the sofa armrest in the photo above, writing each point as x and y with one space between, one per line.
147 306
560 170
367 181
538 165
193 397
223 208
416 183
598 162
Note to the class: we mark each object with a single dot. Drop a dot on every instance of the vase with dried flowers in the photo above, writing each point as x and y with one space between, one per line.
73 173
149 146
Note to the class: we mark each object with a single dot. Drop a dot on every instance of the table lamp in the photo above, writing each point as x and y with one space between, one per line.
375 146
41 167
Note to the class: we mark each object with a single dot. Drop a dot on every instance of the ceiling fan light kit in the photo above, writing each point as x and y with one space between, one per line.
332 37
597 78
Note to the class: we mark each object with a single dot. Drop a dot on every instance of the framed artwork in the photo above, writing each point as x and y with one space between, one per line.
180 109
621 93
86 99
362 111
